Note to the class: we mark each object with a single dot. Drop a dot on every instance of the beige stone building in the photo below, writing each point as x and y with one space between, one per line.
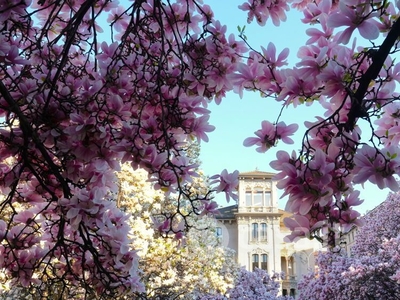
254 229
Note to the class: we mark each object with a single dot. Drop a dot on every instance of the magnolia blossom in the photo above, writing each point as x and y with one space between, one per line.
269 135
372 269
228 183
76 103
359 17
377 167
252 285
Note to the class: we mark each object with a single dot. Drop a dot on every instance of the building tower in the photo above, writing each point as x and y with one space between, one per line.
254 229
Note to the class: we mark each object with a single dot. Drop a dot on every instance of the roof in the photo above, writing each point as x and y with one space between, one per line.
256 174
228 212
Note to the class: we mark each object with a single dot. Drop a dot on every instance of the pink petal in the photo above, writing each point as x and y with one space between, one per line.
338 20
250 141
368 30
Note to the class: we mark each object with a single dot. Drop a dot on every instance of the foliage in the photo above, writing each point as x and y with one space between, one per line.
352 84
170 267
173 268
77 102
256 285
380 225
372 272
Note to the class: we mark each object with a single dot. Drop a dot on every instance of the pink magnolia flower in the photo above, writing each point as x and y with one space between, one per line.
377 167
388 128
210 207
300 227
201 126
318 36
262 10
118 18
228 183
354 17
269 134
270 55
162 226
314 11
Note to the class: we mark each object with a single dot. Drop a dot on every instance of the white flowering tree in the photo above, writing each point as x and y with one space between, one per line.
173 267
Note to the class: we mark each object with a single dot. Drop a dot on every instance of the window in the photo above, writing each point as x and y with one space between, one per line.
258 198
248 198
267 199
218 232
290 266
263 231
254 262
254 232
264 262
293 292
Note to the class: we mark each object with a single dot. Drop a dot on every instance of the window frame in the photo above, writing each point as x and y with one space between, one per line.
254 232
255 262
264 262
263 232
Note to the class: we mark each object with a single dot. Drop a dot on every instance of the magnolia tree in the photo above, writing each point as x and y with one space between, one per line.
351 83
76 103
256 285
169 267
372 271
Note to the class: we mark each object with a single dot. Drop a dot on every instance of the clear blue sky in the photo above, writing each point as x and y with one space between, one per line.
236 119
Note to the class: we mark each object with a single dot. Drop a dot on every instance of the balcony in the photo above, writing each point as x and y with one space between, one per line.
257 209
289 282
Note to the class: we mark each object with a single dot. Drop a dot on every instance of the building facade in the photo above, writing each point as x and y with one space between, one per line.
254 229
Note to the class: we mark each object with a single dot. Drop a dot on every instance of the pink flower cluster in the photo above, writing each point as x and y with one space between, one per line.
351 84
257 285
319 196
228 183
372 269
269 134
75 107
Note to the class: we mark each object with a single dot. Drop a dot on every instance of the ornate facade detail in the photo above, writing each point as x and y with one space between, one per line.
257 184
261 242
258 220
242 220
258 251
256 209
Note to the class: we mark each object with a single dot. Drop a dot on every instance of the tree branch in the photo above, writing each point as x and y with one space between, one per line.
357 109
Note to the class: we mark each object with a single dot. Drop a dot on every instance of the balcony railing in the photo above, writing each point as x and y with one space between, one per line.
258 209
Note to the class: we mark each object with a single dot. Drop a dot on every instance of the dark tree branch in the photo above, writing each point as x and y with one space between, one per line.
358 109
